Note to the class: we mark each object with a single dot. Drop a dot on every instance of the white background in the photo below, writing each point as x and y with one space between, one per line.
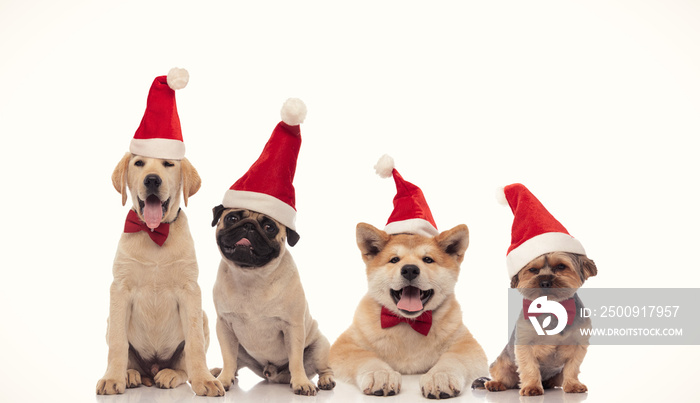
593 105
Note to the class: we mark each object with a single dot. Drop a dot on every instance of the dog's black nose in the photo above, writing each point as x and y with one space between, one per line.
546 283
152 181
410 271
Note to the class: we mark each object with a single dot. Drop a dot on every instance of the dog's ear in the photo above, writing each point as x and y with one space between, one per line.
218 210
292 237
190 179
119 176
514 281
588 267
454 241
370 240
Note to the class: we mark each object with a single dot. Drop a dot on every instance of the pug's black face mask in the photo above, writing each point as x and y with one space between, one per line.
248 241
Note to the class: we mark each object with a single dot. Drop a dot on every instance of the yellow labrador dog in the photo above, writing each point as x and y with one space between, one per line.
157 331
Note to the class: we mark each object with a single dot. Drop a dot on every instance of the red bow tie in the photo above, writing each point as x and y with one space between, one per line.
421 324
568 304
134 224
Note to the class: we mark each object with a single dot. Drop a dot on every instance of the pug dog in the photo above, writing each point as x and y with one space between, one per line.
263 320
538 361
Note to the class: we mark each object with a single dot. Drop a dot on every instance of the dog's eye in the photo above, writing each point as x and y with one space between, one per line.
168 164
534 270
560 266
428 260
269 228
394 259
138 163
231 218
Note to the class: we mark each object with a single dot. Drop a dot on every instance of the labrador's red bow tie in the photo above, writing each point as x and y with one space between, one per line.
421 324
568 304
134 224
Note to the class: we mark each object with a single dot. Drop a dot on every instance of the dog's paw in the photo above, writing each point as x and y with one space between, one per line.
207 386
574 387
111 386
381 383
494 386
531 390
303 387
441 385
133 378
326 381
170 378
479 383
226 378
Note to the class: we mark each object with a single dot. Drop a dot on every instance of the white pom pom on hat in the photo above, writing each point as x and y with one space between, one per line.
501 196
178 78
293 112
385 166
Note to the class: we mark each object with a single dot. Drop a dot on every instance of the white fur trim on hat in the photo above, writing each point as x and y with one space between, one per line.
178 78
416 226
293 112
262 203
169 149
539 245
385 166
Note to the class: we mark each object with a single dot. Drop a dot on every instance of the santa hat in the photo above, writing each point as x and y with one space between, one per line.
535 231
159 134
411 213
267 186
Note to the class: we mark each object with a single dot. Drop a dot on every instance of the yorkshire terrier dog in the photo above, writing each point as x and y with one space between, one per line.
538 361
547 265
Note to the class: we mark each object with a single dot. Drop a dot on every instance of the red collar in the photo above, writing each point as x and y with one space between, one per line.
568 304
420 324
134 224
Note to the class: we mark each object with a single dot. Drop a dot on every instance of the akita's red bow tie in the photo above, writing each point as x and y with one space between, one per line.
134 224
421 324
568 304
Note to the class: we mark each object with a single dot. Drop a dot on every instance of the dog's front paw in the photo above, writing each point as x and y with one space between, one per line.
326 381
227 378
381 383
207 386
169 378
494 386
303 387
109 386
480 383
133 378
441 385
531 390
574 387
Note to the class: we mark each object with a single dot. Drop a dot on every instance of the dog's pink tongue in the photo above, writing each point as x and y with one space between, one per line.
153 212
410 300
244 242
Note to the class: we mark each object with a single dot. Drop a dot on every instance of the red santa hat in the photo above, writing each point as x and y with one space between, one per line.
267 186
411 213
159 135
535 230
